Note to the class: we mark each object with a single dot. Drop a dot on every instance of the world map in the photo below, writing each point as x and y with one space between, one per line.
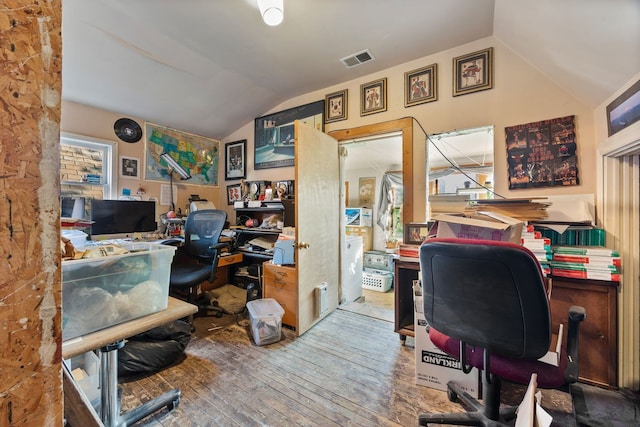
198 155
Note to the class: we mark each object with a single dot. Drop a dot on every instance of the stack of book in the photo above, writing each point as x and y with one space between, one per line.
539 245
410 251
586 262
521 209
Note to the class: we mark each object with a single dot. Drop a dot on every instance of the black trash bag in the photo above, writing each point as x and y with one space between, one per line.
155 349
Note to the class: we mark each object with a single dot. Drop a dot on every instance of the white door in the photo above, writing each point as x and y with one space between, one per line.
317 201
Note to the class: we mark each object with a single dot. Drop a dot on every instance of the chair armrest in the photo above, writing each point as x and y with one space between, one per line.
220 245
576 315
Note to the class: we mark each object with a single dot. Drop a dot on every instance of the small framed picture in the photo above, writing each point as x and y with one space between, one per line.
234 193
235 160
129 167
373 97
420 86
335 105
624 110
473 72
415 233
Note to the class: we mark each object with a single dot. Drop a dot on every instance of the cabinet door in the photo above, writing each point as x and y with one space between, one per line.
280 284
597 342
317 174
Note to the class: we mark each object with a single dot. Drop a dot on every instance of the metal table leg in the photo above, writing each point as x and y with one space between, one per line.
110 401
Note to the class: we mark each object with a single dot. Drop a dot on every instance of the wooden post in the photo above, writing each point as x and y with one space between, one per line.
30 282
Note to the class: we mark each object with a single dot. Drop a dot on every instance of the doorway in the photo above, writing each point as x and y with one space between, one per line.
414 195
365 167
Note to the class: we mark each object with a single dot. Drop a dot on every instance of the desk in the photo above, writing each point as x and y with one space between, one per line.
111 339
406 271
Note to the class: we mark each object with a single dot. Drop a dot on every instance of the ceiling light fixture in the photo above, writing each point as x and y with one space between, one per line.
272 11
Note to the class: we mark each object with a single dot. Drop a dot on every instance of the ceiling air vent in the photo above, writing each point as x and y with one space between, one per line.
357 58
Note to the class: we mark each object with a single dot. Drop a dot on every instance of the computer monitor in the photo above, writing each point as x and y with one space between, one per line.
122 218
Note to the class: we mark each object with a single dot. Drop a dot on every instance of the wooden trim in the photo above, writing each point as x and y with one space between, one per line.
405 126
621 218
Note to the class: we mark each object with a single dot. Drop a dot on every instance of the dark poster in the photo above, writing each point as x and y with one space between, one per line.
542 154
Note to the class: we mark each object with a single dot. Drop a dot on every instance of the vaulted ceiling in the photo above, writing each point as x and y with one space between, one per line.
210 67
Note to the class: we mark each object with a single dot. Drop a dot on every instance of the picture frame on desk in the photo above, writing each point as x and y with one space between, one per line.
234 193
415 233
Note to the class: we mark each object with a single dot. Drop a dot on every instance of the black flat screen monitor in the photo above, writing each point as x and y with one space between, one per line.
122 217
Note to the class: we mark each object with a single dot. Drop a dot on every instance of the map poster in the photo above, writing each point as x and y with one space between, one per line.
198 155
542 154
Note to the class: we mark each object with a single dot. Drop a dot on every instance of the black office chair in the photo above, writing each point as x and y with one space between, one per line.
202 231
486 304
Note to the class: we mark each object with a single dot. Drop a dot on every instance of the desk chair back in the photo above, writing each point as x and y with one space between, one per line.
201 233
487 294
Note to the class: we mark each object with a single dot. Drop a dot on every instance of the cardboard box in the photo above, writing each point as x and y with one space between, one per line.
434 368
484 226
361 217
553 355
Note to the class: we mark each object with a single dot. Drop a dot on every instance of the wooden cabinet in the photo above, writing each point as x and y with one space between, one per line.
406 271
598 338
279 282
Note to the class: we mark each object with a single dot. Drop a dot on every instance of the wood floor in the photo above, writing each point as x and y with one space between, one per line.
348 370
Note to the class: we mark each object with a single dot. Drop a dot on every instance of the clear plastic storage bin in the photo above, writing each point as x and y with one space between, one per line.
266 320
104 291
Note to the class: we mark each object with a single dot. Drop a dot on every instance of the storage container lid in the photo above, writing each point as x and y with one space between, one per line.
264 308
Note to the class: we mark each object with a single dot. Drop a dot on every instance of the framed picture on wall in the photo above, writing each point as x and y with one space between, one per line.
274 142
235 160
367 191
420 86
373 97
129 167
335 106
624 110
473 72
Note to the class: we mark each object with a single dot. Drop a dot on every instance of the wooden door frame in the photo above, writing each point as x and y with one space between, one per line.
405 126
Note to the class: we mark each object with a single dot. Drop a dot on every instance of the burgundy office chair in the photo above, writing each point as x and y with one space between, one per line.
486 304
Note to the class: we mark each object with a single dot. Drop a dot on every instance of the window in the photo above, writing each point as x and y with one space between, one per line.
87 167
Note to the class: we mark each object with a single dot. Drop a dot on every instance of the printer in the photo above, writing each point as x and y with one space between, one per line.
198 205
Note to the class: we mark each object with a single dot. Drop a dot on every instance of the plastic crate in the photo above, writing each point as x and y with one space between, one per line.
265 316
104 291
377 282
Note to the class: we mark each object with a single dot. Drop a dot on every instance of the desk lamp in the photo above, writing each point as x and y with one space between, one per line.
173 167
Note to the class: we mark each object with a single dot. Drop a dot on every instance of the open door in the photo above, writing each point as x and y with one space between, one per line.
317 201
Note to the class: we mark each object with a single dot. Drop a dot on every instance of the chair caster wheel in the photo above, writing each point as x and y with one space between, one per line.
452 395
218 315
173 405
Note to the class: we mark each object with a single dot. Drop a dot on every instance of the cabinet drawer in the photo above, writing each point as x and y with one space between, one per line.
287 299
280 277
229 259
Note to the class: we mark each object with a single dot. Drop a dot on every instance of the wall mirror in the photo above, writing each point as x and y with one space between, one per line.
459 169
